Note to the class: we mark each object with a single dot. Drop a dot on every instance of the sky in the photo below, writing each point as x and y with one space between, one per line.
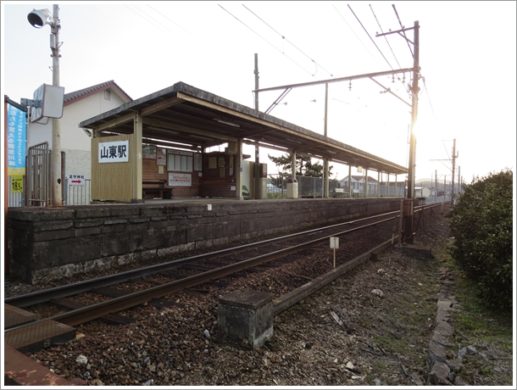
467 59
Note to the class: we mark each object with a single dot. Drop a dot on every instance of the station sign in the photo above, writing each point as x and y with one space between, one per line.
113 152
76 180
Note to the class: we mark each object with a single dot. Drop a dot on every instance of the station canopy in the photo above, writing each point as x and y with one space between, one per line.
187 117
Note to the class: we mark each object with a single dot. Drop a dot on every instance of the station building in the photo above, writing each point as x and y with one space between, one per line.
159 146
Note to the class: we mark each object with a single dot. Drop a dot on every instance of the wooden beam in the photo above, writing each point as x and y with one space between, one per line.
136 161
282 129
115 122
186 129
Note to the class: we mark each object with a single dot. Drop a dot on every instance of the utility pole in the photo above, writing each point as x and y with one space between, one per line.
56 133
408 204
326 160
257 152
454 156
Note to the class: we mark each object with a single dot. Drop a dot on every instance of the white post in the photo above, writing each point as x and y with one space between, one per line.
55 157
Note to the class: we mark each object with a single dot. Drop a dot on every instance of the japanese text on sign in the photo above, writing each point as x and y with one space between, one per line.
16 137
16 183
114 152
76 180
180 179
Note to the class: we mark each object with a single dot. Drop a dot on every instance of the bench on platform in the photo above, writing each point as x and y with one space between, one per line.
152 188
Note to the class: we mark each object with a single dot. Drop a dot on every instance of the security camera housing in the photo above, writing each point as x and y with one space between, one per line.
38 17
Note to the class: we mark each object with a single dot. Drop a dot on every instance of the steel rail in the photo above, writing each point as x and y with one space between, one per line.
46 295
294 296
97 310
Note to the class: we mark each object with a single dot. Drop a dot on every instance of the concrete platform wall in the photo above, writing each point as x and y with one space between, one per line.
46 244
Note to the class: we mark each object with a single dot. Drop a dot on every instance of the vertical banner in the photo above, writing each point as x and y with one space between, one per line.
16 140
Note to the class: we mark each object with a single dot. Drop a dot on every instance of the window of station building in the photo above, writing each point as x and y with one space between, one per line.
179 161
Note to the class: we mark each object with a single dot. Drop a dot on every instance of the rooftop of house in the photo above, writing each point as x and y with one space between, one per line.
75 96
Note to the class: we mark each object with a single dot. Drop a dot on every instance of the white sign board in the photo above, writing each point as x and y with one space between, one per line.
50 100
113 152
180 179
334 242
76 180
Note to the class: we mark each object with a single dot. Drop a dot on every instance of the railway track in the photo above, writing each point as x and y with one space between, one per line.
199 269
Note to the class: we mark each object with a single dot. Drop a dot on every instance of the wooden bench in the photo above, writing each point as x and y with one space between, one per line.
153 188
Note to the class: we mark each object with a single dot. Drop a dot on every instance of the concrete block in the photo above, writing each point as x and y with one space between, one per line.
246 318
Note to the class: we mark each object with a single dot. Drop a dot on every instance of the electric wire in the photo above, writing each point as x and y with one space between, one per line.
403 32
371 39
264 39
288 41
350 28
164 15
385 37
148 18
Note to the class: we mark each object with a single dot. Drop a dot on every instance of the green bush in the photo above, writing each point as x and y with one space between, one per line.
481 224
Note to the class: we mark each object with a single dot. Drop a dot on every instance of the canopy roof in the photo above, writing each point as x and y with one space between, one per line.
185 116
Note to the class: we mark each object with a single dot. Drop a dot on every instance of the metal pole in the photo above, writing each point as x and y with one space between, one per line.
257 150
57 200
408 209
326 160
453 170
349 180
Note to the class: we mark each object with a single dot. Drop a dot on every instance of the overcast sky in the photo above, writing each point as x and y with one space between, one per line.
467 58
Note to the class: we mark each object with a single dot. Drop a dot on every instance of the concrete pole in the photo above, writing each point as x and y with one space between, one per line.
256 171
350 180
238 171
137 162
379 183
55 156
326 160
388 186
408 205
366 182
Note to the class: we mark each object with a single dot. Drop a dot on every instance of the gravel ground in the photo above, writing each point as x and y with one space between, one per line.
370 327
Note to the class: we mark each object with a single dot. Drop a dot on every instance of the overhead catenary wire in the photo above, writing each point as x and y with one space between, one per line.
403 32
288 41
385 37
369 35
264 39
164 15
342 17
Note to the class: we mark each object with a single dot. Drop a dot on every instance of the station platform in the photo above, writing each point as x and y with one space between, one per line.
52 243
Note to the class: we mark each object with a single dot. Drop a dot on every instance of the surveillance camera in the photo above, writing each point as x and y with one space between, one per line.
38 17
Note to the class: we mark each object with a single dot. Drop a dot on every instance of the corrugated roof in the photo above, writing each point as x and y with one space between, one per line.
88 91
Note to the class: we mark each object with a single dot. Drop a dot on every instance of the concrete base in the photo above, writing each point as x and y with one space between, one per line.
292 190
246 318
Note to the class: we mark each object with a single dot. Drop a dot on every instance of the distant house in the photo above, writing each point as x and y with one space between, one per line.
76 142
357 183
374 187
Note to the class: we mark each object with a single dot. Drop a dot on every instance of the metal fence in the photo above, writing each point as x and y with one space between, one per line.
76 192
308 187
38 176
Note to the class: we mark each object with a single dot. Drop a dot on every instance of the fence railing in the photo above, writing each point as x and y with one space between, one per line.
76 192
312 187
